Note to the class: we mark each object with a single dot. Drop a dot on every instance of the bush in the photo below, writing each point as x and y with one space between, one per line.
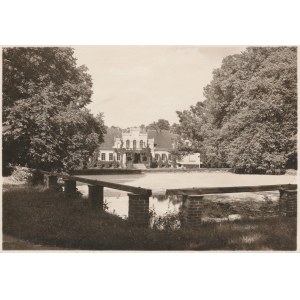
169 221
153 163
105 164
115 164
21 174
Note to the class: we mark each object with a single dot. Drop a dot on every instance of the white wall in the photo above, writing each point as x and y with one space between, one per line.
107 152
191 159
134 134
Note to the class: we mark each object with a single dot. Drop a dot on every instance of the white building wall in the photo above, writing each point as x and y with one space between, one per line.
137 135
106 152
134 135
191 159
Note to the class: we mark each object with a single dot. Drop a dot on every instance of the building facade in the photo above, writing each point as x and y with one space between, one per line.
136 147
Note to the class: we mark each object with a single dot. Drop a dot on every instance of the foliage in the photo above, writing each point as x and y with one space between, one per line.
159 162
248 120
21 174
153 163
115 164
108 164
161 124
168 221
44 96
46 218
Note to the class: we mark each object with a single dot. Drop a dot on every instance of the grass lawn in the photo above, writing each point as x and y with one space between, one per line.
53 221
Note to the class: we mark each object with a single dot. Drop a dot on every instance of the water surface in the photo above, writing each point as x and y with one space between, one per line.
159 182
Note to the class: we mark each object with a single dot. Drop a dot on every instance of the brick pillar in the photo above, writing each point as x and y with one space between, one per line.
288 203
191 211
70 186
138 213
96 196
51 182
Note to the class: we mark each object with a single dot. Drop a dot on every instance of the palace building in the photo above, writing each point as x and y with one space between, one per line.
140 148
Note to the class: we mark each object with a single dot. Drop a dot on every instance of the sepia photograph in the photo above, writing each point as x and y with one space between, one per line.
149 148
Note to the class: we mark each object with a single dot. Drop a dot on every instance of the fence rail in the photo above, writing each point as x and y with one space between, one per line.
192 199
112 185
230 189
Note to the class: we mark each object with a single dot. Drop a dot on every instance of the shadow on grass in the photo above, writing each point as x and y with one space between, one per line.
50 219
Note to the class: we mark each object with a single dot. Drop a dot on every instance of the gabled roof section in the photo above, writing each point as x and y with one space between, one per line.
163 139
109 138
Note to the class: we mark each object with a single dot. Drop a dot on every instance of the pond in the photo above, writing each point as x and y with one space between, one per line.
158 182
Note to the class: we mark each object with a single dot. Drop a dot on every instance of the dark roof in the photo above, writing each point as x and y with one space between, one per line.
109 138
163 139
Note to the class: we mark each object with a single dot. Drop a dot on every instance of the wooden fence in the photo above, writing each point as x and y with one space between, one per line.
138 212
192 199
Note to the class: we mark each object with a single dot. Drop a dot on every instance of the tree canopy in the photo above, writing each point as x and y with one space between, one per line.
248 119
161 124
45 119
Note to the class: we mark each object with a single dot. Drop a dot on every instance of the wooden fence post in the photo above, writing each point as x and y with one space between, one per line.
51 182
96 196
70 186
138 213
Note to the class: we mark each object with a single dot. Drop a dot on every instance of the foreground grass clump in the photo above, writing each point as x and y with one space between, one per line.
51 219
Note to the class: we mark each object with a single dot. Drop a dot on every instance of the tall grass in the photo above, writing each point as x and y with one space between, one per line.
50 218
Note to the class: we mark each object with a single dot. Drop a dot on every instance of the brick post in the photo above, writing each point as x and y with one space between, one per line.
138 212
288 203
96 196
70 186
51 182
191 211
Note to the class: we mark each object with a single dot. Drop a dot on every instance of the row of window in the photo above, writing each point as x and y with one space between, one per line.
134 144
110 156
163 156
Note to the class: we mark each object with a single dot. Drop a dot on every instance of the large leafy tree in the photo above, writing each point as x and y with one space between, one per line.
161 124
46 123
249 117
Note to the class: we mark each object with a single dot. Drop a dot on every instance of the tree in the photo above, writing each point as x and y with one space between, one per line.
44 98
161 124
248 120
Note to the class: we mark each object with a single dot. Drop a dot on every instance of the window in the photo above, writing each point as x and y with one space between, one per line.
102 156
156 156
169 157
163 156
111 156
118 156
145 158
141 144
127 144
134 144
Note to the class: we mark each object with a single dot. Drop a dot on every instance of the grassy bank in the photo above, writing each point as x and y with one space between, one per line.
51 219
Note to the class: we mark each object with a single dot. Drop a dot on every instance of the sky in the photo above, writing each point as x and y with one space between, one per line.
134 85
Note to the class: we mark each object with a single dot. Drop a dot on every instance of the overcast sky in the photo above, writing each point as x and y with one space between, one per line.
136 85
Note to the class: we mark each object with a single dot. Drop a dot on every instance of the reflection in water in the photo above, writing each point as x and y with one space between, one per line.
119 205
117 201
173 199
